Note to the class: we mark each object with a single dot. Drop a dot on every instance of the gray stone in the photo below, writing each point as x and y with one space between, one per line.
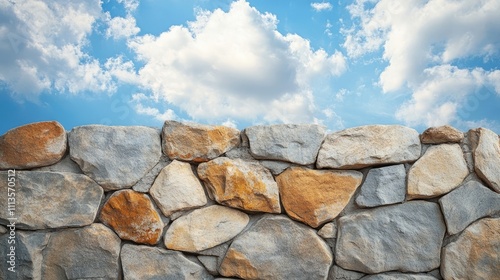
65 165
329 230
276 167
405 237
210 263
149 263
369 145
240 152
338 273
382 186
468 203
276 247
475 254
177 188
147 181
398 276
441 134
297 143
3 229
218 252
205 228
51 199
486 147
116 157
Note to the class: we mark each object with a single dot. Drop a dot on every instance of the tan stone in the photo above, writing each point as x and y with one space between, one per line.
205 228
133 217
441 134
196 142
241 184
475 254
441 169
316 196
486 148
32 145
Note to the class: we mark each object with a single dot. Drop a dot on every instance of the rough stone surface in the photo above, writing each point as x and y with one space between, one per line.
177 188
398 276
32 145
147 181
148 263
486 147
363 146
3 229
241 153
405 237
441 169
64 165
468 203
196 142
51 199
338 273
382 186
133 217
116 157
297 143
276 247
276 167
316 196
329 230
210 263
441 134
241 184
475 254
205 228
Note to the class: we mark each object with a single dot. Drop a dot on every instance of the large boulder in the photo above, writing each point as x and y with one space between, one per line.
486 150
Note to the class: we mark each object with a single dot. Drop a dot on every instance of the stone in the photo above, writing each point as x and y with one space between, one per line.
441 134
468 203
486 150
276 247
338 273
133 217
116 157
147 181
210 263
177 188
297 143
383 186
405 237
245 185
196 142
3 229
475 254
50 199
240 152
363 146
441 169
398 276
150 263
316 196
205 228
32 145
329 230
218 252
64 165
276 167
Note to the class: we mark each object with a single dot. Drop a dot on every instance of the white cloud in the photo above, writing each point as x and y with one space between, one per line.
130 5
234 65
119 27
42 45
169 114
422 41
321 6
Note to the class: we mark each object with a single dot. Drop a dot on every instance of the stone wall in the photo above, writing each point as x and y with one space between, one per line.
270 202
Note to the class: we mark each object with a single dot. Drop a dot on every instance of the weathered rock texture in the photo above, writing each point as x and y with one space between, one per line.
205 202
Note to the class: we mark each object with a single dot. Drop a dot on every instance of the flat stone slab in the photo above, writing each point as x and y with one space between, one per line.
116 157
441 134
383 186
398 276
486 151
370 145
151 263
405 237
32 145
50 199
297 143
475 254
205 228
316 196
276 247
197 142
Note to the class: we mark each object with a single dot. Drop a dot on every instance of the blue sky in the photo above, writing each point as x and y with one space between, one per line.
241 63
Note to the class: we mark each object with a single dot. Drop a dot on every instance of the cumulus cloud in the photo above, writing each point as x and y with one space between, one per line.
42 45
122 27
321 6
234 65
422 41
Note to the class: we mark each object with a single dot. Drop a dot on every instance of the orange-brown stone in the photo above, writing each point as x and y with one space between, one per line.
32 145
196 142
316 196
133 217
241 184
